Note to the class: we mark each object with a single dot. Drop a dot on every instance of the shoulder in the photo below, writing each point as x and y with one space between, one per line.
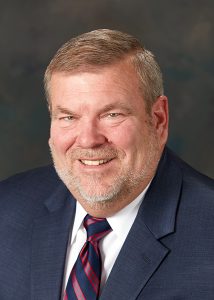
32 182
30 178
23 195
197 192
192 179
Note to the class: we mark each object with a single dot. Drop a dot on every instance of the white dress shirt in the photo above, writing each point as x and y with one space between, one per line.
110 245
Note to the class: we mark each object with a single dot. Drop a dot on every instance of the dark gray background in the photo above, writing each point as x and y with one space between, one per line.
179 32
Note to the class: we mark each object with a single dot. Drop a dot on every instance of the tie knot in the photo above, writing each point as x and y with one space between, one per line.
96 228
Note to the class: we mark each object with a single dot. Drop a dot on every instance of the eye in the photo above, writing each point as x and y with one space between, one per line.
65 121
66 118
113 115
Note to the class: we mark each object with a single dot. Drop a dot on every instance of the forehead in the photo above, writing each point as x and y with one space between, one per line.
122 68
111 83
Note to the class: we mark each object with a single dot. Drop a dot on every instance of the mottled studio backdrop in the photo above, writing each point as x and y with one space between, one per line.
179 32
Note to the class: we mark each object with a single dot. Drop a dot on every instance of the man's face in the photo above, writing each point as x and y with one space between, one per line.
104 145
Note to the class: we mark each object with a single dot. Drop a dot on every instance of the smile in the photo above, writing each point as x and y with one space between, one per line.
94 162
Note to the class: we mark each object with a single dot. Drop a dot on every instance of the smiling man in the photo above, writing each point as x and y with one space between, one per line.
104 143
122 217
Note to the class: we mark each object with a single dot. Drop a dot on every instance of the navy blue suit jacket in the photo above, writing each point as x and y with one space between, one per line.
168 254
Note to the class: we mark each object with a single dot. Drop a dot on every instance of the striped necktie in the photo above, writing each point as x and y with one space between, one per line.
84 280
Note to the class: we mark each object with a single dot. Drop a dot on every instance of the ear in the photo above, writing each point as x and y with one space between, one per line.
160 117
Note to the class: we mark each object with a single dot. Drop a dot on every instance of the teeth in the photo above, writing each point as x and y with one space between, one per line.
94 162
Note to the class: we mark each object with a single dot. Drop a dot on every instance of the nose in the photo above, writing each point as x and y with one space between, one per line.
90 135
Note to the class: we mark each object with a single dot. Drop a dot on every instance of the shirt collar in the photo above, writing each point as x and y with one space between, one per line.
121 222
79 216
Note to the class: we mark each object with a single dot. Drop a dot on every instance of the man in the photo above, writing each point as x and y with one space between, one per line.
109 127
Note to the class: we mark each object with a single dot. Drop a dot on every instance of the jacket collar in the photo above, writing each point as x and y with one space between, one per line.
50 237
159 207
142 252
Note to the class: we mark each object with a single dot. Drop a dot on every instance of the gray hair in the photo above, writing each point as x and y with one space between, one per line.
101 48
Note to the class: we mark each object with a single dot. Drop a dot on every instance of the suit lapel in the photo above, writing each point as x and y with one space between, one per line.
139 258
142 252
49 244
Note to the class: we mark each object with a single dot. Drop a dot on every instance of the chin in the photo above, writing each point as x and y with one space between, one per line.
96 193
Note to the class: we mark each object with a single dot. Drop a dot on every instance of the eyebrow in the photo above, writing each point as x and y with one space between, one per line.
106 108
61 109
116 105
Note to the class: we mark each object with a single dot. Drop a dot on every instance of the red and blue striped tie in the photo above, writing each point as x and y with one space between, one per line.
84 280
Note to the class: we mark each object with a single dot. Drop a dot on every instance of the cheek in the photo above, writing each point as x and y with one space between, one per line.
124 138
134 141
61 141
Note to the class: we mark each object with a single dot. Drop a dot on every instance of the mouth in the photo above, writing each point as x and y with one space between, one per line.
97 162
